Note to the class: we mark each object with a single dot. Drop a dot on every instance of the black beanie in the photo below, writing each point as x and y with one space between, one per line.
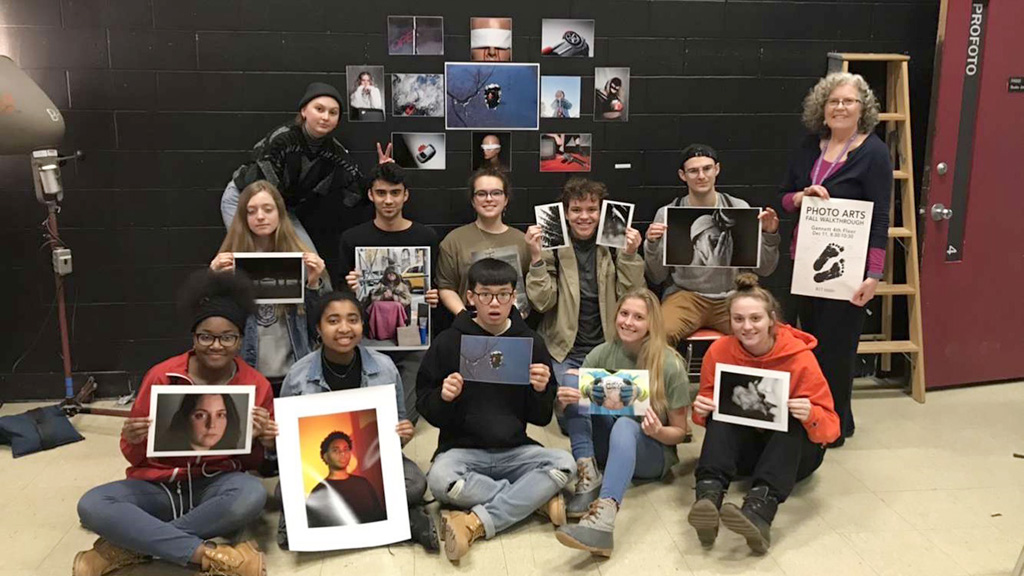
222 307
318 89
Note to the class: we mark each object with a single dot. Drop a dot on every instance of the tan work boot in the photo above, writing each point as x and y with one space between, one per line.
104 558
554 510
243 559
460 529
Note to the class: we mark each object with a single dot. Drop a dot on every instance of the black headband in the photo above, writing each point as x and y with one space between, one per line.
222 307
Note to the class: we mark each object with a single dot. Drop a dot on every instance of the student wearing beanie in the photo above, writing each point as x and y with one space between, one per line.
170 508
321 184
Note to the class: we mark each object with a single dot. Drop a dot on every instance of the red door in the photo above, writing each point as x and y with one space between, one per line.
972 278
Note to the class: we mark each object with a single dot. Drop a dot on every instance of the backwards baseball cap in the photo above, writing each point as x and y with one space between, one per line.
318 89
698 151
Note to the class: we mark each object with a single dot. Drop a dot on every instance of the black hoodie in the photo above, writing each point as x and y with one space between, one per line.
484 415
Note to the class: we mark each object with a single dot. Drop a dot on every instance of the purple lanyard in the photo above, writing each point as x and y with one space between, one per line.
832 166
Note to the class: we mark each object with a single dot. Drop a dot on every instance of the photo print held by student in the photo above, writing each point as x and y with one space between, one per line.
551 219
392 290
560 96
616 217
611 94
565 152
417 95
615 393
831 247
415 36
567 38
342 485
712 237
279 277
200 420
500 96
490 39
752 397
365 93
496 360
492 148
419 150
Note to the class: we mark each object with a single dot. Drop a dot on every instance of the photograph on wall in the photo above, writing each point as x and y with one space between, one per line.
419 150
200 420
565 152
392 290
611 94
614 392
490 39
496 359
415 35
417 95
559 96
365 93
551 219
712 237
567 38
616 218
492 149
491 96
510 256
752 397
831 247
342 485
279 277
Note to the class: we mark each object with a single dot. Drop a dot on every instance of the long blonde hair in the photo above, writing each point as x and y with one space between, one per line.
241 239
654 348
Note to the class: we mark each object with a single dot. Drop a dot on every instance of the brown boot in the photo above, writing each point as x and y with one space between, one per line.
243 559
104 558
554 510
460 529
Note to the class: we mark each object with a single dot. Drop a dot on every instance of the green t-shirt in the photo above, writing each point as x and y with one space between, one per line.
678 392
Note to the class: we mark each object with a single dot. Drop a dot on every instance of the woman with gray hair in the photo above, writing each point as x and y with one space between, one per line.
841 158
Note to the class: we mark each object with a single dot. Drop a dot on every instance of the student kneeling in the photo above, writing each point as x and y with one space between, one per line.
485 463
776 460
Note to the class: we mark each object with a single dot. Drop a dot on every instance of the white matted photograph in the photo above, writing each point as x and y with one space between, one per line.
417 95
392 290
342 485
492 149
279 277
492 96
551 219
752 397
831 247
200 420
567 38
560 96
415 35
712 237
611 94
616 218
419 150
365 93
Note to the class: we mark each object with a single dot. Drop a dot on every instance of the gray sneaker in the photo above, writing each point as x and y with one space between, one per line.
594 531
588 487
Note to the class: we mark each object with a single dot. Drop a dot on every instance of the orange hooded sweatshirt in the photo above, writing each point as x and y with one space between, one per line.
791 353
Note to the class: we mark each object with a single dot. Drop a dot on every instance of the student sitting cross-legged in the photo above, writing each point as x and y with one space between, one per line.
627 447
485 464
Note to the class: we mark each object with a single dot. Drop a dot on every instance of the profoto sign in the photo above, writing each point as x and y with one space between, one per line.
974 38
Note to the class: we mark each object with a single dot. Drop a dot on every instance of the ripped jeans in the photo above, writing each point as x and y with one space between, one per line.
501 486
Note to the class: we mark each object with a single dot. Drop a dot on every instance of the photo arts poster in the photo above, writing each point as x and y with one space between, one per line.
495 359
615 392
342 480
392 290
551 219
279 277
752 397
200 420
712 237
831 247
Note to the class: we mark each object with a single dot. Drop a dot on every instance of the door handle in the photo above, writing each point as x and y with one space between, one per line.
942 168
940 213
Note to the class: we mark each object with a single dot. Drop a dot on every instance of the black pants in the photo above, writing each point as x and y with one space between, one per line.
776 459
837 325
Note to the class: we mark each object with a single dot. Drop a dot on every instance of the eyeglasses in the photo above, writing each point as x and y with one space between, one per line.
488 297
844 102
691 172
484 194
226 340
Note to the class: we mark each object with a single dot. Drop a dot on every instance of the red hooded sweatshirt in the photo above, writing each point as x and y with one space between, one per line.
791 353
174 371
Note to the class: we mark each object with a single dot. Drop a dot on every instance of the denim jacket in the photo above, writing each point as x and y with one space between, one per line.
307 377
301 332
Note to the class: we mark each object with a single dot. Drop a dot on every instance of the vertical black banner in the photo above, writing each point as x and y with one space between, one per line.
965 137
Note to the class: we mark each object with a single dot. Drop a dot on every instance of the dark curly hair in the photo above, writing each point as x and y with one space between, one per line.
332 438
207 293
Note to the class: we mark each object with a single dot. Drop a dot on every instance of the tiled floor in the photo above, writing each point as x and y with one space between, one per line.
932 490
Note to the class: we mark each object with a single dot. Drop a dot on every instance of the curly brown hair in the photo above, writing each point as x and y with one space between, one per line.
579 188
814 103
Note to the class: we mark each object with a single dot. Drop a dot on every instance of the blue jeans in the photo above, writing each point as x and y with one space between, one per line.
501 486
563 379
229 205
164 520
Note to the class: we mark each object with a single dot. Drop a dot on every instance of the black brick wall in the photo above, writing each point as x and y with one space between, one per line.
166 96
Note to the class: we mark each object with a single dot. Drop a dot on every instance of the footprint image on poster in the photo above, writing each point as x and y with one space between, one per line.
830 251
832 273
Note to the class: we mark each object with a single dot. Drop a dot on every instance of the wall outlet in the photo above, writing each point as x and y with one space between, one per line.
62 261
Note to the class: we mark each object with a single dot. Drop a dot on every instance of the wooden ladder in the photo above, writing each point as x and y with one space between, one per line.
896 119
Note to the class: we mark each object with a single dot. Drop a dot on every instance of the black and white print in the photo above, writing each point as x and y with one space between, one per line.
279 277
551 219
752 397
712 237
616 217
